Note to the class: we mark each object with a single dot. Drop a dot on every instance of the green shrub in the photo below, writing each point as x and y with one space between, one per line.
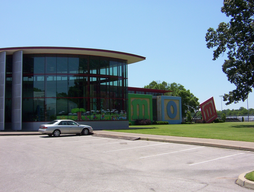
160 122
73 118
216 121
223 117
75 110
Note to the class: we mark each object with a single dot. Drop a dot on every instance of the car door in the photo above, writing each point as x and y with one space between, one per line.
64 127
73 127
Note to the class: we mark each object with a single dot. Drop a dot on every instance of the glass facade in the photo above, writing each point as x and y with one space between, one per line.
71 87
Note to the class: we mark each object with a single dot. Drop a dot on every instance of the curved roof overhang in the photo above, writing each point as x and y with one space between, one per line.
130 58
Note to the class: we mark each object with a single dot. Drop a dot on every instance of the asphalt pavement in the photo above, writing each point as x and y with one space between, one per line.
238 145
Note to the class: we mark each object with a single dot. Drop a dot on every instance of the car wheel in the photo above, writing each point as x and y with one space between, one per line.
57 133
85 132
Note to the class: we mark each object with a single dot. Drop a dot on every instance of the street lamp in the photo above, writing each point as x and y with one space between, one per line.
221 102
248 108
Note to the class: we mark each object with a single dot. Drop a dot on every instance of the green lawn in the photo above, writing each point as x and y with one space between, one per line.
239 131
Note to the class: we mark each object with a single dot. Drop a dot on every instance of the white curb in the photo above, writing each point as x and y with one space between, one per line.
242 181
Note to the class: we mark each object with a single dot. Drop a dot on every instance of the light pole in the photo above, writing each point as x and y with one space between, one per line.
221 102
248 108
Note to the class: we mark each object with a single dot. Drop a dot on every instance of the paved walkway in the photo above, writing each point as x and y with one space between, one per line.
238 145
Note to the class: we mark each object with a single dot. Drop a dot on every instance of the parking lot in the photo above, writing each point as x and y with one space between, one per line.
89 163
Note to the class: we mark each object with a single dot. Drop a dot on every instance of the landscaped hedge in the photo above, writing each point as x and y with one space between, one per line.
160 122
218 121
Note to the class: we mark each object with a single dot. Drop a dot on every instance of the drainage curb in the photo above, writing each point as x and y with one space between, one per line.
116 136
242 181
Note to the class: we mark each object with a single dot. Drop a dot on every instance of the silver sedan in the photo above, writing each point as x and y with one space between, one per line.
64 126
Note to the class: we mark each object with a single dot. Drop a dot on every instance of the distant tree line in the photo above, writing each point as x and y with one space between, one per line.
236 112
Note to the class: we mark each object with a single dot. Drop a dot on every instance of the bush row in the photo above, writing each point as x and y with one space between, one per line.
147 122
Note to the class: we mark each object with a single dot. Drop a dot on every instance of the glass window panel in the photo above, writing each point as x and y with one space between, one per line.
50 109
8 109
74 92
39 64
92 86
38 86
62 64
125 70
121 70
72 103
103 71
111 71
94 65
39 109
84 103
51 64
8 87
125 82
103 81
28 64
113 68
28 86
51 86
73 65
93 105
27 110
83 86
62 86
83 66
9 64
62 108
104 66
121 88
103 87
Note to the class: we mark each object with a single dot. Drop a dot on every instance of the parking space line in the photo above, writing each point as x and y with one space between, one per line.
219 158
169 152
96 139
136 147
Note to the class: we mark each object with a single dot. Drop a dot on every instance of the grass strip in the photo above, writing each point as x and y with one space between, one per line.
238 131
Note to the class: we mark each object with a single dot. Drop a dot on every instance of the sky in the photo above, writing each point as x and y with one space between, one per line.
170 34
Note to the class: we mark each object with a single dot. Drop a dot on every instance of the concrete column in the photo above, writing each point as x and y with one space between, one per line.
17 75
2 89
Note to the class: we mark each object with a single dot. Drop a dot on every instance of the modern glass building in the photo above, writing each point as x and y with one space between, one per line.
39 84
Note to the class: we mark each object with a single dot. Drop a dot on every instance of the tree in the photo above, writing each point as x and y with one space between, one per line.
223 117
155 85
188 116
236 37
189 101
